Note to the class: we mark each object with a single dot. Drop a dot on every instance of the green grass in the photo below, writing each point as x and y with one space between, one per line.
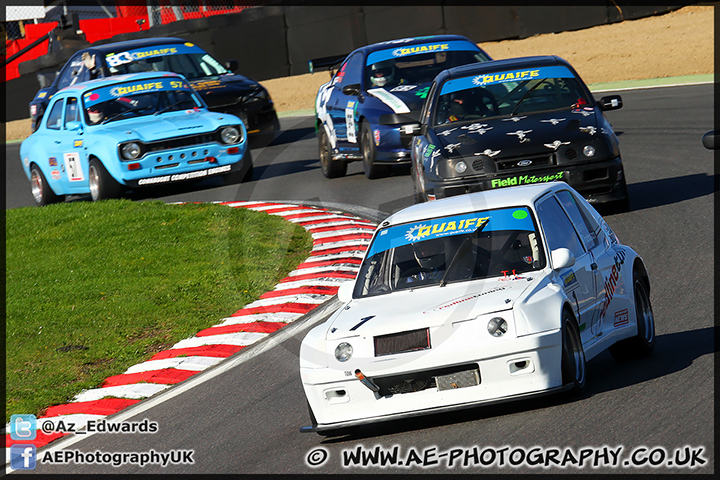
94 288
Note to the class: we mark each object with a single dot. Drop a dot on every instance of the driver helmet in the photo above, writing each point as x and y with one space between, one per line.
380 74
95 113
430 254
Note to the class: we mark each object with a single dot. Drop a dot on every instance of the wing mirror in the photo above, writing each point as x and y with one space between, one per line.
708 140
611 102
231 65
353 89
345 291
73 126
562 258
412 129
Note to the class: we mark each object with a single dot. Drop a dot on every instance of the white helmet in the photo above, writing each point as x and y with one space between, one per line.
380 74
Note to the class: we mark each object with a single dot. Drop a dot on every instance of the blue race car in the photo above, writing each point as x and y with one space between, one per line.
105 136
377 88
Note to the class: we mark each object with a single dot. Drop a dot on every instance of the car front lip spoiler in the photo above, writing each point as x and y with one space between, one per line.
417 413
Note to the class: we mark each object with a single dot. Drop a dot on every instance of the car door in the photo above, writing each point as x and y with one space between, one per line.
609 264
75 167
578 280
342 107
64 143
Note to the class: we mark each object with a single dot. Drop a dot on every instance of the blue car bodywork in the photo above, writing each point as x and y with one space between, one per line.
155 129
377 88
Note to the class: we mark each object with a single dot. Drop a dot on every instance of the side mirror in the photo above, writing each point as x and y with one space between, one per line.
708 140
345 291
231 65
73 126
611 102
353 89
562 258
411 130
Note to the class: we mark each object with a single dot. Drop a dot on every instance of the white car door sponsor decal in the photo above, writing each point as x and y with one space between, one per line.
392 101
350 122
73 167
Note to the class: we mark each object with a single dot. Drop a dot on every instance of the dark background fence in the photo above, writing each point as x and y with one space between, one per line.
278 41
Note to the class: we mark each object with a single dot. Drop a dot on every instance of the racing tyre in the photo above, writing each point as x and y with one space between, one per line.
41 191
643 343
367 147
573 355
102 184
330 168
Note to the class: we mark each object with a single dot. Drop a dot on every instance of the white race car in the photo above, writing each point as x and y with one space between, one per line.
485 297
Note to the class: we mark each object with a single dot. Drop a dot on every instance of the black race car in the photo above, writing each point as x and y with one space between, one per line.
222 90
515 122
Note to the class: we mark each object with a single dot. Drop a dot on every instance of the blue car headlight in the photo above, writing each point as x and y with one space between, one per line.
131 150
230 135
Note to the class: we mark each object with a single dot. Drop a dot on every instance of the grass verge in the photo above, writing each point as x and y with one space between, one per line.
94 288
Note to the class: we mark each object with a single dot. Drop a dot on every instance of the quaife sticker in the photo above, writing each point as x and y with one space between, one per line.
489 220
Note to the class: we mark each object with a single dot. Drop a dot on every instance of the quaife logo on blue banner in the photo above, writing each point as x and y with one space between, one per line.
23 427
23 457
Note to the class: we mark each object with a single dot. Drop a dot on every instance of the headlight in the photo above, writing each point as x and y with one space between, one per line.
343 352
460 167
497 326
230 135
588 150
131 151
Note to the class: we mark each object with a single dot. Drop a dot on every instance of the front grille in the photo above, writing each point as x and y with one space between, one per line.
175 143
447 378
477 165
571 153
402 342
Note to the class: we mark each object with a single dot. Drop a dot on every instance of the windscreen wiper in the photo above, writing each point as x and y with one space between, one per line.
532 89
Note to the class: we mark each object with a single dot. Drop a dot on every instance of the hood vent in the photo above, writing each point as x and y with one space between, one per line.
402 342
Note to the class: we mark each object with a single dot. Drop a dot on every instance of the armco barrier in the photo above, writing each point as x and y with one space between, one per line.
278 41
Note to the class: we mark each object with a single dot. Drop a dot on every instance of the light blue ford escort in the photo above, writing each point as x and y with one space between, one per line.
106 136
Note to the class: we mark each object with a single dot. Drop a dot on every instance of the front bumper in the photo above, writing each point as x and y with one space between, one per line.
167 167
526 366
598 182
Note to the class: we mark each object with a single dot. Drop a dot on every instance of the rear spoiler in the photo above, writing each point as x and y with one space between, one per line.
326 62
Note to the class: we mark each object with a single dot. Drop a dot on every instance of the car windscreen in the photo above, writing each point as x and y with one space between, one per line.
138 98
450 249
417 64
186 59
509 93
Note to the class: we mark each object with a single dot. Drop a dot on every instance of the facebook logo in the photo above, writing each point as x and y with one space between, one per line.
22 457
23 427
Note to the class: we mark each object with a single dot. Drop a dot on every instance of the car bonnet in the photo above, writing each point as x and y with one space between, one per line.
426 307
521 134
